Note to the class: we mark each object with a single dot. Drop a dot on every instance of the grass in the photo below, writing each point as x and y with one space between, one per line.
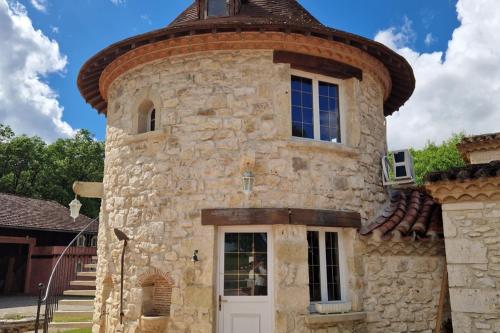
71 319
81 330
13 317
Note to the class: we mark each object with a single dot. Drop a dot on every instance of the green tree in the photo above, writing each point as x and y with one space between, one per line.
30 167
437 157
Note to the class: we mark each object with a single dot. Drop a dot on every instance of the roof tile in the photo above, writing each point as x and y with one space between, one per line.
34 214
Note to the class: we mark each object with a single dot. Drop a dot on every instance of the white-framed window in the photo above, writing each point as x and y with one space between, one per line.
326 265
316 107
81 241
151 120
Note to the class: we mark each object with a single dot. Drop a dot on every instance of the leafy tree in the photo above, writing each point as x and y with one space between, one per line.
437 157
30 167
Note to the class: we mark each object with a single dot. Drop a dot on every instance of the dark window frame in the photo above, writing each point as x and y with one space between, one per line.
322 289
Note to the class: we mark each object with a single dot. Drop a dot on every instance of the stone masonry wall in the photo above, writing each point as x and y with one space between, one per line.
402 286
213 108
472 231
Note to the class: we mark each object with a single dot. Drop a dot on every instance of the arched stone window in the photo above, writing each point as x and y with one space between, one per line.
156 294
148 117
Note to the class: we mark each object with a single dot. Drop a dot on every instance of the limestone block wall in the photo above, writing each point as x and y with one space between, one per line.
402 286
213 108
472 231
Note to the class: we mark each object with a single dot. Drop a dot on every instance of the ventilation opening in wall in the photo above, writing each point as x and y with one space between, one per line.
147 115
156 300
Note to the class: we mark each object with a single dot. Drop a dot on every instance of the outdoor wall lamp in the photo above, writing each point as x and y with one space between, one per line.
74 208
248 181
194 258
122 237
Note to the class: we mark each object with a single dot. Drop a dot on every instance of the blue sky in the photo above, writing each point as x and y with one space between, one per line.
82 28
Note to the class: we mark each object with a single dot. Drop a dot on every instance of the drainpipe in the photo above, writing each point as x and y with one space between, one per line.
122 237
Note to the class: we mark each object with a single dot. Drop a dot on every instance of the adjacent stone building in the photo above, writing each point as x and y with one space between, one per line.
243 153
471 214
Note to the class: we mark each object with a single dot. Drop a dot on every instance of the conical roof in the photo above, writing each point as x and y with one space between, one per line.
285 16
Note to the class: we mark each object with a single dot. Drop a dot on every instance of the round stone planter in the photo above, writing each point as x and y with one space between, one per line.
154 324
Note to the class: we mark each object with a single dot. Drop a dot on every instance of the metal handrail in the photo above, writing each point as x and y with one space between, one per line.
54 301
61 256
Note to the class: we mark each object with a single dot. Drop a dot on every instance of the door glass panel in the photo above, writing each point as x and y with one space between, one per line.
245 264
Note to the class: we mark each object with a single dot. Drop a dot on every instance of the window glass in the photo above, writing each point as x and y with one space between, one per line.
217 8
245 264
152 120
324 266
302 108
332 266
329 112
314 266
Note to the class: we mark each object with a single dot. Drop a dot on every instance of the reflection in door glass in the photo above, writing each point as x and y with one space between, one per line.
245 264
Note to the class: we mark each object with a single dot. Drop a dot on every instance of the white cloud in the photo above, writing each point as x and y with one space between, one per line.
40 5
429 39
457 90
118 2
27 56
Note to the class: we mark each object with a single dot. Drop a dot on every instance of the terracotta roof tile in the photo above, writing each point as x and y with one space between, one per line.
478 143
409 214
469 172
27 213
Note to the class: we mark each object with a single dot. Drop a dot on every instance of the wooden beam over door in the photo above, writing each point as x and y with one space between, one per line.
270 216
318 65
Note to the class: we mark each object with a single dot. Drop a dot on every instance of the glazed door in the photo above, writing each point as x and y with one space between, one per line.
245 284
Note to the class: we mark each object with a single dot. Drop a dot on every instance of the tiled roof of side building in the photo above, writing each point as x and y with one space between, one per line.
469 172
410 214
33 214
481 142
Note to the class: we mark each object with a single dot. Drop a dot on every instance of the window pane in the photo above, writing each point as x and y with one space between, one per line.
217 8
245 264
314 268
329 105
332 266
302 104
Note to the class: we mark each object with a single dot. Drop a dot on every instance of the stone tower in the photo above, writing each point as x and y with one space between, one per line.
232 91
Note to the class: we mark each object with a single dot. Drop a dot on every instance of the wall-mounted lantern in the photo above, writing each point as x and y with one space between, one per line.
248 181
247 166
195 258
74 208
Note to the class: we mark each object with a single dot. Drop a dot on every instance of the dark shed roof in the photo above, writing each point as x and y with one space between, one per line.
33 214
468 172
286 16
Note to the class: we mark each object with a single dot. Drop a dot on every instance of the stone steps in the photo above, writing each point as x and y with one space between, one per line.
83 283
87 274
79 293
64 326
90 266
77 302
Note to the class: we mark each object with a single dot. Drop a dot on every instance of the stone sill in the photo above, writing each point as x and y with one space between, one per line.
148 136
323 146
327 320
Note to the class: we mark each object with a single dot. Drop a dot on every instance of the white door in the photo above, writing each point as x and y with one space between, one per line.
245 283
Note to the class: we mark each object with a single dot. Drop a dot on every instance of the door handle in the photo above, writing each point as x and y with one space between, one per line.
221 301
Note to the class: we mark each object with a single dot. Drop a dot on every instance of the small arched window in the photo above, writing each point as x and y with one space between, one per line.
147 117
93 241
152 120
80 242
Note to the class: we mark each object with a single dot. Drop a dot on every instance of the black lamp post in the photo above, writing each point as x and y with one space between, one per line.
121 237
